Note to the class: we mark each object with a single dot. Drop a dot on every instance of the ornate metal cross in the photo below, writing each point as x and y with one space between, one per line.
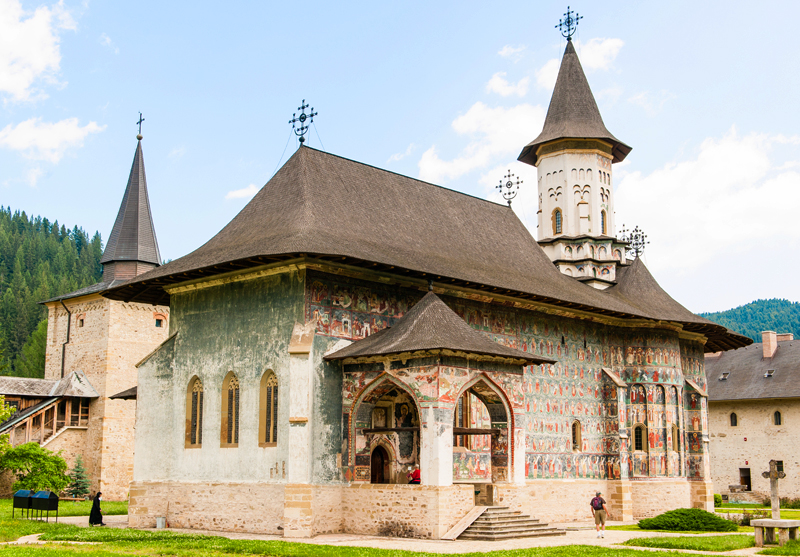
301 129
636 239
508 187
140 123
569 24
773 476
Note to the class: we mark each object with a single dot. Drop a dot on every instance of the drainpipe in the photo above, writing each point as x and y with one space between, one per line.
64 346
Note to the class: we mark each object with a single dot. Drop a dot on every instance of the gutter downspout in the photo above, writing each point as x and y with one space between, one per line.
64 346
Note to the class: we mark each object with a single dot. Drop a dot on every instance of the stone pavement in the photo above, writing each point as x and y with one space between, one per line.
577 534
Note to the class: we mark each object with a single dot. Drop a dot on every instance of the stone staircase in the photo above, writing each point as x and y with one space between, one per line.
501 523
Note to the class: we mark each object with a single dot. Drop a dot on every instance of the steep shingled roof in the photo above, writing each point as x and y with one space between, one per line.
324 206
747 367
133 237
573 112
431 325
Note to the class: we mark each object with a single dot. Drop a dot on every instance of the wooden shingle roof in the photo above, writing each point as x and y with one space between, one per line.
431 326
573 112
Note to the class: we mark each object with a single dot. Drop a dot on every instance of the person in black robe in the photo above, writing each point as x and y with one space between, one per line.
96 515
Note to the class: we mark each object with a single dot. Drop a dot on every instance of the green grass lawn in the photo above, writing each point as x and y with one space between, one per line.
114 542
785 514
790 548
72 508
696 543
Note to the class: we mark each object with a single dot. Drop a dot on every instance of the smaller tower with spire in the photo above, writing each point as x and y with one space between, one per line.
132 248
573 155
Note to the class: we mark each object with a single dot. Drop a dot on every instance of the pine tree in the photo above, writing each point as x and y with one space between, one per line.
80 486
31 362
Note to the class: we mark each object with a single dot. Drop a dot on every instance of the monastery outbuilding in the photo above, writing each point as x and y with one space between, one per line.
753 406
351 324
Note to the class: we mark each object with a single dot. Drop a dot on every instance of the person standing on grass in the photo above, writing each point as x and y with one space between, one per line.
599 512
96 515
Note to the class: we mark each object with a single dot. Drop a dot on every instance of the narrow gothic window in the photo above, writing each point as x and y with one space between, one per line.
676 440
194 414
268 411
557 221
638 438
734 419
777 418
230 411
462 419
603 223
576 436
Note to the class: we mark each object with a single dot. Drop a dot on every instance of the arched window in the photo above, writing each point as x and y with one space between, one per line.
638 438
557 221
229 434
576 436
776 418
734 419
194 414
268 411
603 223
676 438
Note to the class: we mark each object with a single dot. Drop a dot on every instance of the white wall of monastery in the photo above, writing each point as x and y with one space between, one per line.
753 443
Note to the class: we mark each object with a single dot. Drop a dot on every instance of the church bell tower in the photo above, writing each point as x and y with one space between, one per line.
574 155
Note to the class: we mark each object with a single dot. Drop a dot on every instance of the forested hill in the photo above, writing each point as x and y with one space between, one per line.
38 260
781 316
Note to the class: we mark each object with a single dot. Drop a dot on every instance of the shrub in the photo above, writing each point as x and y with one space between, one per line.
36 468
717 500
786 503
688 520
748 516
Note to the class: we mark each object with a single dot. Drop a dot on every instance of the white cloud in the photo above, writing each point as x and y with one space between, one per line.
713 206
106 41
401 156
177 152
492 138
652 103
500 85
547 74
47 141
249 191
33 176
29 47
509 51
598 54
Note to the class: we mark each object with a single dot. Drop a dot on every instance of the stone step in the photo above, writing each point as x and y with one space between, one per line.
500 513
504 529
512 535
508 520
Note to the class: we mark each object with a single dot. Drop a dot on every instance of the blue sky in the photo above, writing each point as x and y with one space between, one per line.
705 93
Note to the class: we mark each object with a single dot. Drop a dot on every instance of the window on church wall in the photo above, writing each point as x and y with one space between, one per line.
776 418
577 442
463 419
676 438
603 223
229 436
194 414
268 411
639 438
734 420
557 221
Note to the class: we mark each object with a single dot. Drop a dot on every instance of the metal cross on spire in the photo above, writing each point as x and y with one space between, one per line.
139 135
508 187
636 239
299 123
569 24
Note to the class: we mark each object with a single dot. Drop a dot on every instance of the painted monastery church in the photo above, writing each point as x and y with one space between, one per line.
293 372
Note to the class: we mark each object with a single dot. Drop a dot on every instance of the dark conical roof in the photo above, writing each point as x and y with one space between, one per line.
133 237
431 325
573 112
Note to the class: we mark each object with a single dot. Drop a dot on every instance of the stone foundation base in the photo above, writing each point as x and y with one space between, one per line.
298 511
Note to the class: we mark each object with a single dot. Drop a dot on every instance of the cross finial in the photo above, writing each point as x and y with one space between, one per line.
569 24
508 187
301 129
139 135
636 239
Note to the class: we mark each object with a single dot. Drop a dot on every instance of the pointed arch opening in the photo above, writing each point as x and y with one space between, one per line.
603 223
557 221
194 414
268 410
229 432
577 442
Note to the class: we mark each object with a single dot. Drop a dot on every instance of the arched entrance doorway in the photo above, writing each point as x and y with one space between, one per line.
379 466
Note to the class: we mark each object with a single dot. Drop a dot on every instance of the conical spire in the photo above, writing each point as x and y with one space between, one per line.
133 237
573 112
